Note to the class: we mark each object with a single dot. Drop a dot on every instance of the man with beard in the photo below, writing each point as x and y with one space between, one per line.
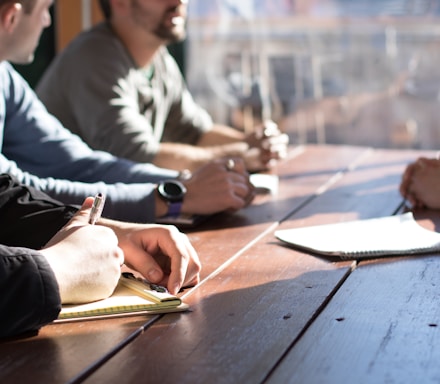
40 152
117 86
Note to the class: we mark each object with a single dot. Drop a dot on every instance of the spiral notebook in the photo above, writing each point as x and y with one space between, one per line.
132 296
385 236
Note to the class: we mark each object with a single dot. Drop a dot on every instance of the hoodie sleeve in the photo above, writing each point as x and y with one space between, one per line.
29 294
41 153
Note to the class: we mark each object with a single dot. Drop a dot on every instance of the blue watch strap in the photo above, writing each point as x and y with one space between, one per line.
174 208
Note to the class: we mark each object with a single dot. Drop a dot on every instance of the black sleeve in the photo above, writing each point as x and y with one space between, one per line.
29 295
28 217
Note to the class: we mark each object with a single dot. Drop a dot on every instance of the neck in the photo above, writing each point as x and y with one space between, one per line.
140 46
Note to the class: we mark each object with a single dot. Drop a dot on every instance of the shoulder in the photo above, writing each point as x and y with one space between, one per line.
11 81
7 70
5 74
95 56
96 44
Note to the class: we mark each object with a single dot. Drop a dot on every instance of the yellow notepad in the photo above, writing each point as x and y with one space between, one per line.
131 296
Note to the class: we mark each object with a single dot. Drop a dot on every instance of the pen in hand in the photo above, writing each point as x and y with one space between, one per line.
97 207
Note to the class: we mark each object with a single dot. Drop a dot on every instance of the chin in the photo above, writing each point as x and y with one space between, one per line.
177 35
22 60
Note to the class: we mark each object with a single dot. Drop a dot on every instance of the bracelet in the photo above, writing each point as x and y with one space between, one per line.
184 175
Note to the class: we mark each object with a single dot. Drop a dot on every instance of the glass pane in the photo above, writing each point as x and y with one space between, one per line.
330 71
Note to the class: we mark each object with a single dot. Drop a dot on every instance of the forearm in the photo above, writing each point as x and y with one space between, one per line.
28 217
29 292
219 135
181 156
129 202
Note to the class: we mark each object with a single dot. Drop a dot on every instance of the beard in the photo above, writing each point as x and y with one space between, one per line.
176 34
166 31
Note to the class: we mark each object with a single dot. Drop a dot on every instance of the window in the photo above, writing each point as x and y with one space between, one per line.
332 71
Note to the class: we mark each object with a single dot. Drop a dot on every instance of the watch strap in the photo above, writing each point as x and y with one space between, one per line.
174 208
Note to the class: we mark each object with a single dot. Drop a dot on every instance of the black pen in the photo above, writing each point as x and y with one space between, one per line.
98 205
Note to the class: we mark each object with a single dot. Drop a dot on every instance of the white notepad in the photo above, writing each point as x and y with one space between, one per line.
386 236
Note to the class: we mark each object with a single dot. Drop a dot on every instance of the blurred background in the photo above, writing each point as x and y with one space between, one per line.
362 72
329 71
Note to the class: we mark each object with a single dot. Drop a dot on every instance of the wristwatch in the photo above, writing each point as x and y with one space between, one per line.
172 192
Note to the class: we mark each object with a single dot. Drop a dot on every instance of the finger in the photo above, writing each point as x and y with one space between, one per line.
241 185
185 266
280 138
245 191
82 216
250 197
406 178
234 164
273 154
176 251
267 129
241 199
142 261
274 145
120 256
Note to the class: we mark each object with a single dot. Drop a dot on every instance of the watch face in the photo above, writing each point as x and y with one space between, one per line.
172 190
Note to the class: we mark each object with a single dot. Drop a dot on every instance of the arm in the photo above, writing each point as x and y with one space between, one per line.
33 284
40 145
29 295
28 217
118 108
40 281
35 142
258 148
51 152
129 202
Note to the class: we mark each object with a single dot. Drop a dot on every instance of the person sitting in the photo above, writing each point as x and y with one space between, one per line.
50 255
40 152
117 86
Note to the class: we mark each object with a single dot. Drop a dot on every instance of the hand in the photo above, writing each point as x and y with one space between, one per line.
215 188
266 145
421 183
161 253
85 259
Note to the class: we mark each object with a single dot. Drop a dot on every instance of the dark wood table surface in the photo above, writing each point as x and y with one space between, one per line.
263 312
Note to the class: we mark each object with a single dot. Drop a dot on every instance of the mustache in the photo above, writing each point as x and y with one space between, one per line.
181 9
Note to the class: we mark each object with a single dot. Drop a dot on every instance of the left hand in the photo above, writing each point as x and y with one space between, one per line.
420 183
161 253
266 145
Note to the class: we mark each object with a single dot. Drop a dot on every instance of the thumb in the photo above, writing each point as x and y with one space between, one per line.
79 219
82 216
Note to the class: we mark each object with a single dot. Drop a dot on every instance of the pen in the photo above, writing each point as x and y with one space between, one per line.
98 205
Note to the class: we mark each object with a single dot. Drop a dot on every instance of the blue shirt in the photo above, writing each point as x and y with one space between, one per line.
40 152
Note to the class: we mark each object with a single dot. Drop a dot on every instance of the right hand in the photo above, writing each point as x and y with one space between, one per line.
85 259
213 188
267 144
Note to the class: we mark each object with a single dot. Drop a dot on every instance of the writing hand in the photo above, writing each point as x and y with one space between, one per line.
85 259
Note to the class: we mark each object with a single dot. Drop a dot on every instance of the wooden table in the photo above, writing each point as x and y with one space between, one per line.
263 312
